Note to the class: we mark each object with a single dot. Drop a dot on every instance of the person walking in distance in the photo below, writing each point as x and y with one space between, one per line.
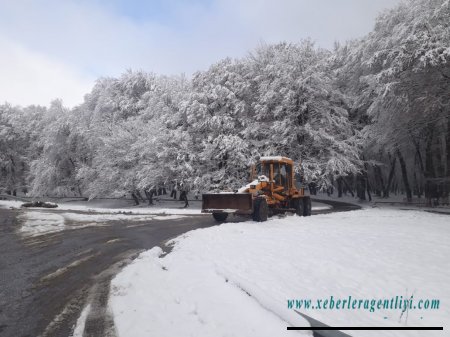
183 196
173 194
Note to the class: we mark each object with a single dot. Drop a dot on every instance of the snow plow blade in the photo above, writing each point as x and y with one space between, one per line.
240 203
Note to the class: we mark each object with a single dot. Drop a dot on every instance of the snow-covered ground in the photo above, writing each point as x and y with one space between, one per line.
37 221
394 201
80 214
119 206
235 279
162 207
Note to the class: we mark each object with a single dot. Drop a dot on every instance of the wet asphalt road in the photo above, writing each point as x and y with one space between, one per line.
35 290
46 281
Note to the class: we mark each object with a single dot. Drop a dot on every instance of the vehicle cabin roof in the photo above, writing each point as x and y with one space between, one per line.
277 159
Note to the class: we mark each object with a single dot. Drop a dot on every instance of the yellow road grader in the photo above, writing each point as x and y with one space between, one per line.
273 191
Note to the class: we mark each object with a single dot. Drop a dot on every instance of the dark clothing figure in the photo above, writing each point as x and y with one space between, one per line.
173 194
149 196
151 193
183 196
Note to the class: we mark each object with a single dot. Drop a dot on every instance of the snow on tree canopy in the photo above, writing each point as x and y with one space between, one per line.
350 112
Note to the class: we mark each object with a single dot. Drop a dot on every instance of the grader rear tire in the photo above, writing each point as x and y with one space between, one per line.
261 210
306 206
298 205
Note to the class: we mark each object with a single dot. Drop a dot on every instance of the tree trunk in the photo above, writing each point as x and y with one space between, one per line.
379 180
368 187
139 195
447 152
447 144
348 187
405 176
429 165
391 176
366 178
419 157
440 159
418 180
135 198
339 186
332 185
445 164
361 187
417 189
430 185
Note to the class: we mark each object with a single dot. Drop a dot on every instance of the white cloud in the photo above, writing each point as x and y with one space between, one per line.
28 77
325 21
61 46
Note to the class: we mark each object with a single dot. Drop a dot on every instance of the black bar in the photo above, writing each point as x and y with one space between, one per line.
364 328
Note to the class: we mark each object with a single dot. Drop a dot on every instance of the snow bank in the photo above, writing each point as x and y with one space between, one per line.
45 222
34 223
85 217
86 206
235 279
10 204
150 210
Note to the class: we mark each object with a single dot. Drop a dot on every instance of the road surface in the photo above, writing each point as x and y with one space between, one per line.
47 280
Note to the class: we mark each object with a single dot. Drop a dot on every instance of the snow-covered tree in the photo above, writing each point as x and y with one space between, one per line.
54 170
348 115
404 75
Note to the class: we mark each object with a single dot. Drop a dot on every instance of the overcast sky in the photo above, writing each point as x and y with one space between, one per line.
58 48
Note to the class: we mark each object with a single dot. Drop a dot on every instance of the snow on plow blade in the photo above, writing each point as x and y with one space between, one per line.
240 203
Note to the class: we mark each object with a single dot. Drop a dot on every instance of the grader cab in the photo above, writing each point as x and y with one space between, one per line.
273 190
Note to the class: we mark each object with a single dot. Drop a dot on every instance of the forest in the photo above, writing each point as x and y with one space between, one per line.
369 118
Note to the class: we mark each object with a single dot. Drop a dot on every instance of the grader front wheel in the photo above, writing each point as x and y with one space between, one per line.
220 217
297 204
261 210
